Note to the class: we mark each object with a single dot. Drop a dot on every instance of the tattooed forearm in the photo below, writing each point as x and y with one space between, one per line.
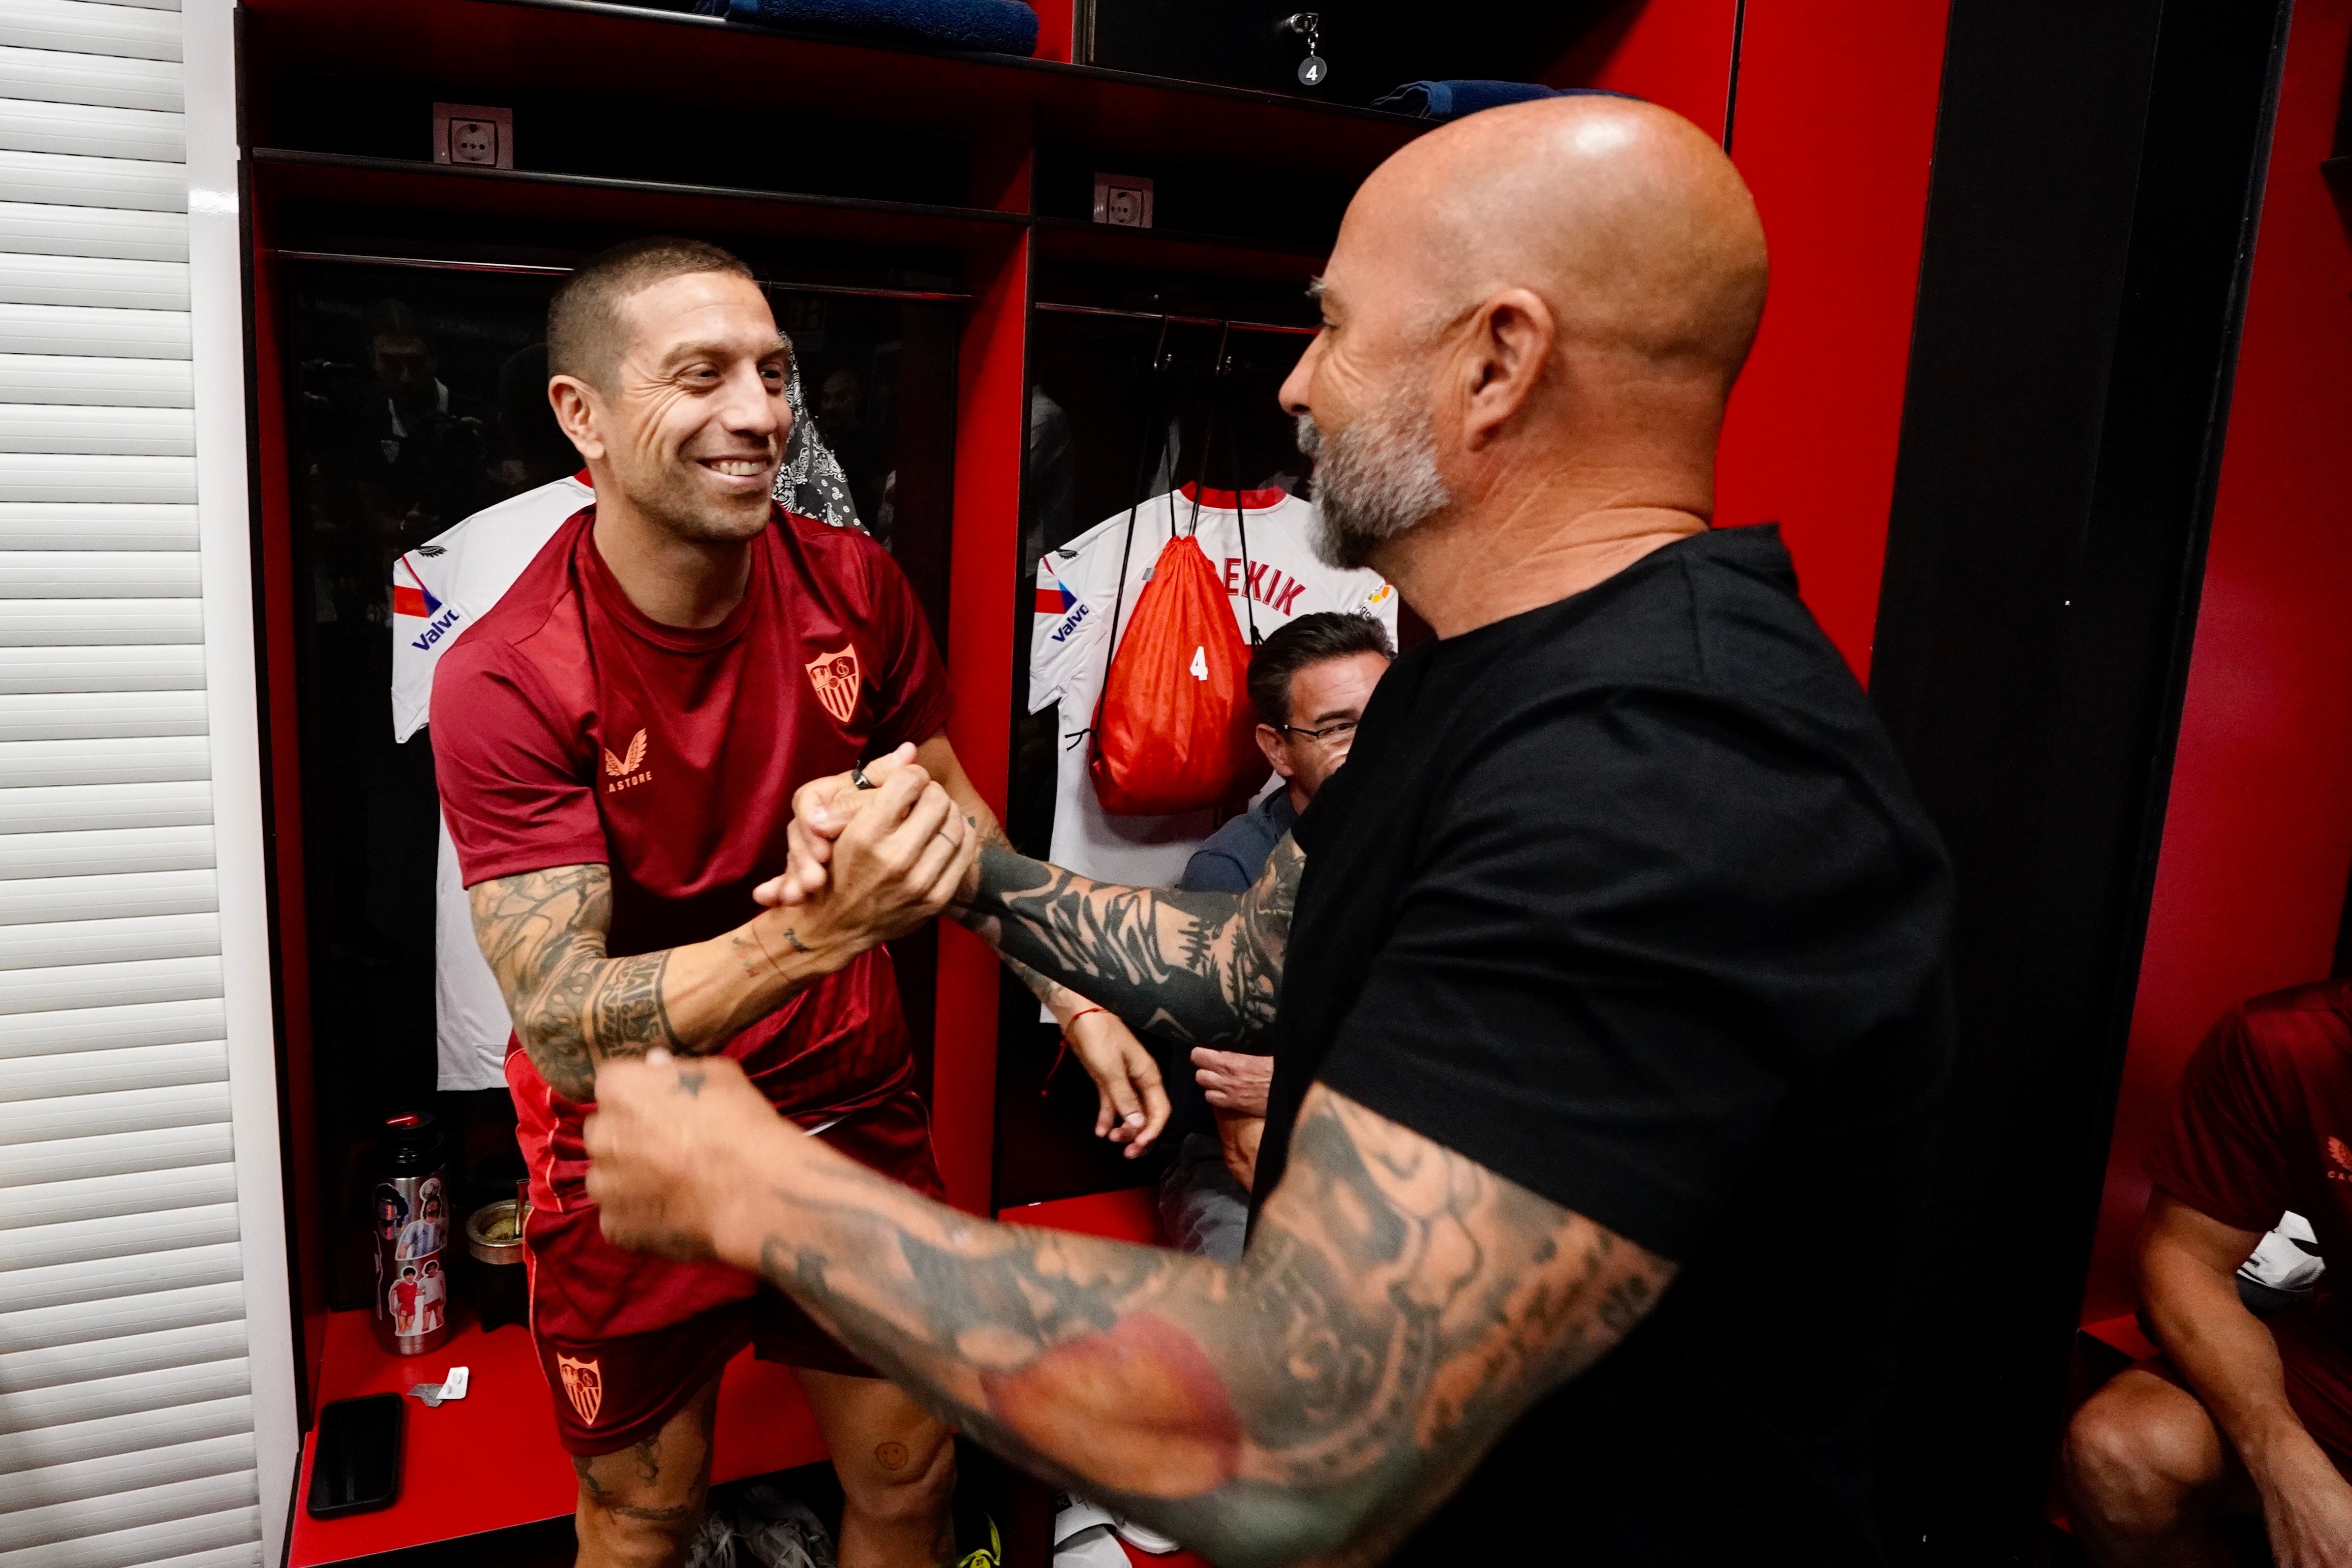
1040 987
629 1018
1398 1308
544 934
1199 968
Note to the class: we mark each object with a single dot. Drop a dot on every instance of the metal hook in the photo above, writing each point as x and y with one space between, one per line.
1308 24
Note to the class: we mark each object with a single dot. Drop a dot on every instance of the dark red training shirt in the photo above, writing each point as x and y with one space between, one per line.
2264 1120
569 728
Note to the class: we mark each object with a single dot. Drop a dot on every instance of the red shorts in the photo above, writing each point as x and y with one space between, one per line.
625 1339
2318 1370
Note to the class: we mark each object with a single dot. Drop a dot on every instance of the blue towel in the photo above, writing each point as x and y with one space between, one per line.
1452 100
999 27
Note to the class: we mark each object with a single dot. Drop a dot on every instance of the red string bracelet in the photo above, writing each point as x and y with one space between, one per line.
1063 1049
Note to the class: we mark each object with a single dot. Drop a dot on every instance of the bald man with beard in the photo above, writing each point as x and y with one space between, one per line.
1608 978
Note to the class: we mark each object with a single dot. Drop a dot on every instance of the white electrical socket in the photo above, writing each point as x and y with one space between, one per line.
1124 200
473 133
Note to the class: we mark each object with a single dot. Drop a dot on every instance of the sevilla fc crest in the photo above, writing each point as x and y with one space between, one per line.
583 1385
835 678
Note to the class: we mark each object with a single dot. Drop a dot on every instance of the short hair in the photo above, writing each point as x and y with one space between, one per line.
1309 639
583 320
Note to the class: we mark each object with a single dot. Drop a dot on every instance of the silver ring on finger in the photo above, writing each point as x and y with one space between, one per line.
942 833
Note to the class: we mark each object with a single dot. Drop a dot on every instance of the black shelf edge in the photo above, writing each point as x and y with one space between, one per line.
1180 237
358 164
1064 68
1113 234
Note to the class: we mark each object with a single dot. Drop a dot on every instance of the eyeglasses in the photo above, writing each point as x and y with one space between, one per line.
1333 733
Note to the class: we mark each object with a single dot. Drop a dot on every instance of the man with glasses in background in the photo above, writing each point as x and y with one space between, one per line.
1308 682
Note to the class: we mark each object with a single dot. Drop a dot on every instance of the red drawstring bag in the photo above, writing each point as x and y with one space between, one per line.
1175 731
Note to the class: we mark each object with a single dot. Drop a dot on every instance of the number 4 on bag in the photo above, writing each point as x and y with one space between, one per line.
1162 746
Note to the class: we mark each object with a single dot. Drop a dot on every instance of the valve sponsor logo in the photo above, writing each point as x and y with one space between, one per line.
415 601
1054 596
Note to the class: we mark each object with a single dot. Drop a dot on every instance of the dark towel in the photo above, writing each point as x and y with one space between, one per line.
999 27
1452 100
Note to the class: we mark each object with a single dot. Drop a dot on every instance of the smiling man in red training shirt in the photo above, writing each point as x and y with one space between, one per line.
616 745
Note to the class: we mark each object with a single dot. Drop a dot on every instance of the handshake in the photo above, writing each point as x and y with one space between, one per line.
875 852
868 862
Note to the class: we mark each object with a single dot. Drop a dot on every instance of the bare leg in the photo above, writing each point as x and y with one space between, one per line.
2147 1473
897 1465
639 1508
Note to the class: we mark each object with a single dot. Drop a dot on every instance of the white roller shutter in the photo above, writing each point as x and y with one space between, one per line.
135 1329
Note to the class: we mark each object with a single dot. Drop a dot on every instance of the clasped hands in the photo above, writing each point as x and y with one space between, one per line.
675 1139
1131 1101
829 812
899 863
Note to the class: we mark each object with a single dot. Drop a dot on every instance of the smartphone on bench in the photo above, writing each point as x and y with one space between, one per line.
358 1466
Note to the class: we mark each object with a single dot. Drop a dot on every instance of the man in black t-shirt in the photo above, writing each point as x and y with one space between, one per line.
1606 976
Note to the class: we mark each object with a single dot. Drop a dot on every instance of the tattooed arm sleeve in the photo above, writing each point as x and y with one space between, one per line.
544 933
937 757
1197 968
1398 1308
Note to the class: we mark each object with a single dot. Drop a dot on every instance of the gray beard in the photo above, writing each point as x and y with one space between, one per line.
1373 480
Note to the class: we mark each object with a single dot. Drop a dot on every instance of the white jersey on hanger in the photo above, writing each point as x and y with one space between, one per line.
445 584
1076 586
438 589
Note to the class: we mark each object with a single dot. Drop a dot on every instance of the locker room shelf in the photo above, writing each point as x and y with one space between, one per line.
489 1461
596 46
1082 242
345 178
1129 1214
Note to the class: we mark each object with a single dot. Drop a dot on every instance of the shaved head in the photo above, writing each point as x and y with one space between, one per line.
1627 219
1566 286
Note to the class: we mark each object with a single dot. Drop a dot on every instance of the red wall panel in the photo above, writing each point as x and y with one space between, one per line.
1056 19
983 573
2258 830
1675 53
1834 128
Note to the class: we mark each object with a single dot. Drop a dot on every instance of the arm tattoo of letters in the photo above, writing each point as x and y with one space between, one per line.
1398 1308
544 934
1197 968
